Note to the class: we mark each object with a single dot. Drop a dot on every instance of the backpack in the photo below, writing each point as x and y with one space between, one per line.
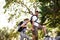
20 23
19 26
31 19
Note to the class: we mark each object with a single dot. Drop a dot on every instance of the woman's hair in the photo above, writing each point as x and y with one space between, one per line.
26 19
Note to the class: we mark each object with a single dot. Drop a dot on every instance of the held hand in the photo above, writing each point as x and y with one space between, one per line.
32 29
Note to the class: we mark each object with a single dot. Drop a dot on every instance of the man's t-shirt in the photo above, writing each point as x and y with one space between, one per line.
36 21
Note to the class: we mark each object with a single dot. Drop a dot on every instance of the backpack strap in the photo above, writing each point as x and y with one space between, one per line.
36 19
31 19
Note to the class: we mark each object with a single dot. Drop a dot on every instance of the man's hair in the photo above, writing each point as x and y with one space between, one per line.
26 19
37 11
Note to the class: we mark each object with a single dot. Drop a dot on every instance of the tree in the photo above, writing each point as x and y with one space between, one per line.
51 12
50 9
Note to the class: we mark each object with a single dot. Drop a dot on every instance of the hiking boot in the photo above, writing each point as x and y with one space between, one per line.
47 35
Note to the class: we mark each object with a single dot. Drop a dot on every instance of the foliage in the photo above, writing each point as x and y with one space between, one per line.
6 34
50 10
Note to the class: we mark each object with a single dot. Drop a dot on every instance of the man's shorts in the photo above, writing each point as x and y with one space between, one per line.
40 27
35 31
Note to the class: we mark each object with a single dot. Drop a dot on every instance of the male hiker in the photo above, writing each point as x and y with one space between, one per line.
35 25
22 29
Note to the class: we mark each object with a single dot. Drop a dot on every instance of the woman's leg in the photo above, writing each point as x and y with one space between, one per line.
21 36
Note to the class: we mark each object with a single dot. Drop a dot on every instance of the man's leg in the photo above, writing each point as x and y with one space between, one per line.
44 29
34 37
35 33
